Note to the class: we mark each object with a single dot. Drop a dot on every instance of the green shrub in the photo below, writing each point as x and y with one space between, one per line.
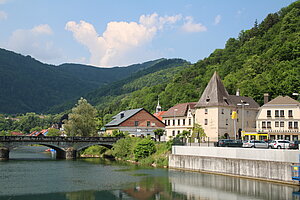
95 150
124 147
143 149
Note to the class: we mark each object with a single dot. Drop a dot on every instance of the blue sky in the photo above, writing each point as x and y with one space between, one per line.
120 33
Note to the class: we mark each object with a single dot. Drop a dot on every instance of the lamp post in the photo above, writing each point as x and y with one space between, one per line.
243 104
296 94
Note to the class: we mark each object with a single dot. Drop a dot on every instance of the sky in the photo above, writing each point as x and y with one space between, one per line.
108 33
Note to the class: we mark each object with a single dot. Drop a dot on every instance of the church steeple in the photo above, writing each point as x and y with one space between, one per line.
158 107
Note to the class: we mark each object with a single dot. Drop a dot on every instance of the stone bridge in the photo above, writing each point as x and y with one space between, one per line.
66 147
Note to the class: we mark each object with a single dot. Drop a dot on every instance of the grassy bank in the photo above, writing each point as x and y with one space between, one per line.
141 151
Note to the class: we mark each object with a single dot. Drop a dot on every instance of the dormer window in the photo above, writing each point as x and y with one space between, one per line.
207 99
122 115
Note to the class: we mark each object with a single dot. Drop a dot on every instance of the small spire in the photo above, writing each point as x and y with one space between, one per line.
238 92
158 107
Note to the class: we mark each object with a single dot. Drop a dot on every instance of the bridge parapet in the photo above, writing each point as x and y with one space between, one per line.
61 144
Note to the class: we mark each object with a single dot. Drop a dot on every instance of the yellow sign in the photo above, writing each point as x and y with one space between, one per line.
234 115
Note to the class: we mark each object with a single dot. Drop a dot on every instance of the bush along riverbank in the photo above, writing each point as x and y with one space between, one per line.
142 151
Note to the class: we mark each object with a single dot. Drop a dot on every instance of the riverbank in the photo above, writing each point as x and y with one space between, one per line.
262 164
139 151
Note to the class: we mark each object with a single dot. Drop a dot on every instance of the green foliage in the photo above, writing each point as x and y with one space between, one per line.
95 150
53 132
118 133
159 132
198 131
144 148
82 120
124 147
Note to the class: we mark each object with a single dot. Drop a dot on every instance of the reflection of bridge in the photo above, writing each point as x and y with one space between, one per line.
66 147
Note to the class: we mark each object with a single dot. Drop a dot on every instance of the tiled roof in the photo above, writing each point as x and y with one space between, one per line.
159 115
215 94
179 110
123 116
239 99
283 100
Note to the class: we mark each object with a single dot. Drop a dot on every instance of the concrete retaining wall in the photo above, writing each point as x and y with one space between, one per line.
267 164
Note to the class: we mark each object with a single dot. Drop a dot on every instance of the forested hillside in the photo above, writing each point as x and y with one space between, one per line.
108 95
262 59
28 85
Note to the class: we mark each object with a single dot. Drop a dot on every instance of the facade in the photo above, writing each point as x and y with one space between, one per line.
137 122
214 112
280 118
179 118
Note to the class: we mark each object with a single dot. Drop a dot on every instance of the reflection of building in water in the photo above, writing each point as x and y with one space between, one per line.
207 186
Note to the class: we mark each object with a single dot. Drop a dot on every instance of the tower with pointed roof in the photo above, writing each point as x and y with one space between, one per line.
158 107
214 109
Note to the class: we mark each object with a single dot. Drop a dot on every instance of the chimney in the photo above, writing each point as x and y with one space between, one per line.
237 92
266 98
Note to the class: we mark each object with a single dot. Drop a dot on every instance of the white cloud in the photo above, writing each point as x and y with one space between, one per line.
190 26
121 40
217 19
3 15
34 42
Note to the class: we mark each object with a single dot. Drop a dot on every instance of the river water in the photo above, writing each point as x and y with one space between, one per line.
32 174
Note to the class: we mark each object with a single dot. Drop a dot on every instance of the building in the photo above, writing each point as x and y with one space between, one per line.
137 122
179 118
279 118
214 112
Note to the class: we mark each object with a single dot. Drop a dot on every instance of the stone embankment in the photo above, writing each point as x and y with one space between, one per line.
265 164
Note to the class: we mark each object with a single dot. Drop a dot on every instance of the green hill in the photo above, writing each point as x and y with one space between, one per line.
262 59
28 85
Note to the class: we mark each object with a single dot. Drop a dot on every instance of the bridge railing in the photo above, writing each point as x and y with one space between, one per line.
56 139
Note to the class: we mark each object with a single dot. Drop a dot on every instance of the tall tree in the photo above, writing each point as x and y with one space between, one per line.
198 131
82 120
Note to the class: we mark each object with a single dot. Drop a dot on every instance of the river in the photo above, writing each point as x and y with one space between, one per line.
33 174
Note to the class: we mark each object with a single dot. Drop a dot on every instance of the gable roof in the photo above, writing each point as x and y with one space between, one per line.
159 114
123 116
181 110
214 94
283 100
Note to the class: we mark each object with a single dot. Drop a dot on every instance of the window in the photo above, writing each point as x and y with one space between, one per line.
290 113
173 122
276 113
268 124
166 122
296 125
268 113
183 122
281 124
169 123
173 133
222 111
136 123
190 121
277 124
263 124
178 122
206 111
205 121
148 123
226 121
281 113
290 125
178 132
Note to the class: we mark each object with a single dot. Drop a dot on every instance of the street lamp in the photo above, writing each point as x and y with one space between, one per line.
296 94
243 104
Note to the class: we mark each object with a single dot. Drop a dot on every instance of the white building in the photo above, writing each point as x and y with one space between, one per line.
280 118
214 109
179 118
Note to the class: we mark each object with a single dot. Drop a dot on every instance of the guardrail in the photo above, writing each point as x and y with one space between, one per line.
56 139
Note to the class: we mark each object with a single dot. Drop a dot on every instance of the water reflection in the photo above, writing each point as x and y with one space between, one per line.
44 178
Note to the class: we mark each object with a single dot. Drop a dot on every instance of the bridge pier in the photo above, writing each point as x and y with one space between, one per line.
69 154
4 153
